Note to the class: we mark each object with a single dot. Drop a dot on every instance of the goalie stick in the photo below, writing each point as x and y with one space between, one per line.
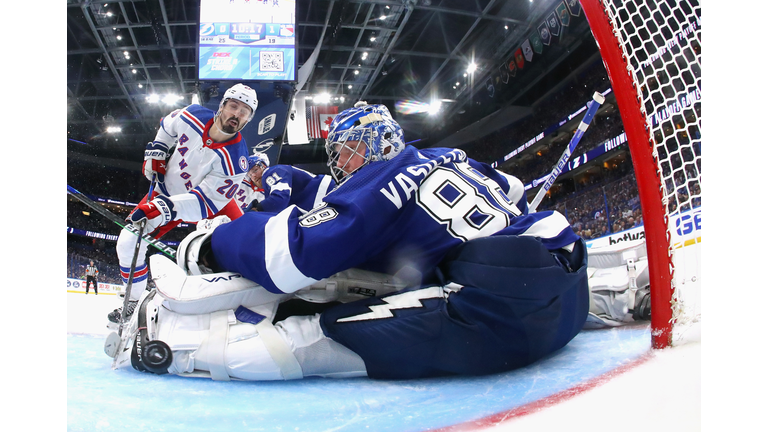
162 247
592 106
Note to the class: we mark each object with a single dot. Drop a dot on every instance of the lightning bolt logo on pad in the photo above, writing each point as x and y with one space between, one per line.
407 300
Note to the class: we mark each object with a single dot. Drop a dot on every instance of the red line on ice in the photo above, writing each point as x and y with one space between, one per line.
530 408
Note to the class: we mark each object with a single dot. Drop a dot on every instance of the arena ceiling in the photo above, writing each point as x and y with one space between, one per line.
381 51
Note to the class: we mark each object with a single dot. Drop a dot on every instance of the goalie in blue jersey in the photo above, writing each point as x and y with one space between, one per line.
420 263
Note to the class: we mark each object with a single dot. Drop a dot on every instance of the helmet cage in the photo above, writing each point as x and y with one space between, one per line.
336 145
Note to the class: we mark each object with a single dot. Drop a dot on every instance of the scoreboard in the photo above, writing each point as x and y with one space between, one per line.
247 40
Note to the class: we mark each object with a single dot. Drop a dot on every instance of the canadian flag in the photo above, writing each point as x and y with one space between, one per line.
325 124
319 120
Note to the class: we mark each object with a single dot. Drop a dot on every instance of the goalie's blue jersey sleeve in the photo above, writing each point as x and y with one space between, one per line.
409 211
285 185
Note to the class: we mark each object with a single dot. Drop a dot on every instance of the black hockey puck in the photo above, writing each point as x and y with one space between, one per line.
157 356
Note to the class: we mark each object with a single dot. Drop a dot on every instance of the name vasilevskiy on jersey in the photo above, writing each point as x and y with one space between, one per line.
419 173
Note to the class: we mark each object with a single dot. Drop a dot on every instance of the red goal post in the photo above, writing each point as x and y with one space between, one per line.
651 51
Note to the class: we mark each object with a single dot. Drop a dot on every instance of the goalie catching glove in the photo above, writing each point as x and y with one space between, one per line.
155 157
157 213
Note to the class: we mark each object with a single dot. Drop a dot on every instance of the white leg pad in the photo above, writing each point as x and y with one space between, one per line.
615 273
317 354
617 254
209 293
219 347
211 351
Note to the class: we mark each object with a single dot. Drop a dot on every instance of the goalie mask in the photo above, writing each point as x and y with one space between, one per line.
367 130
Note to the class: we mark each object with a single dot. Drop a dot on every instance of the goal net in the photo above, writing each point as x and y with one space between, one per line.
652 51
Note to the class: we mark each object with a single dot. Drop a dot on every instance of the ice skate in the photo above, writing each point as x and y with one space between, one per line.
114 316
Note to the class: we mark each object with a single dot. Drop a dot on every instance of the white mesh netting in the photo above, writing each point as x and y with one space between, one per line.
661 41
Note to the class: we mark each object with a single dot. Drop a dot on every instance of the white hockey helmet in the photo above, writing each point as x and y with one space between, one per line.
244 94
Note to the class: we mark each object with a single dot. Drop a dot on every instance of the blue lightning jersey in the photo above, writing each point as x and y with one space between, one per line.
285 185
409 211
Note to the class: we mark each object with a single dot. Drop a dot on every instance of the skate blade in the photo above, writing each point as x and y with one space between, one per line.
112 345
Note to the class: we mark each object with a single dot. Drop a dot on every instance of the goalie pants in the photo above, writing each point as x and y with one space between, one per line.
519 302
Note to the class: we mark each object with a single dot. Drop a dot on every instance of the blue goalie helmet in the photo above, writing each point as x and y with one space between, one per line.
258 158
361 135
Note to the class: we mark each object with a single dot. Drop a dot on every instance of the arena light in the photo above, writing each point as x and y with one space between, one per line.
114 129
416 107
434 108
471 68
323 98
171 99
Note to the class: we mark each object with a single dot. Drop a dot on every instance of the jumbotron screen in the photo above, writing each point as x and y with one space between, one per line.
247 40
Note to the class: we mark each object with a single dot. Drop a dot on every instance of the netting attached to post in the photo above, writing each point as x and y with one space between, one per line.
652 52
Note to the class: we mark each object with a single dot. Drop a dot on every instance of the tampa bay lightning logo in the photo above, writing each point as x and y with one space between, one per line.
243 162
406 300
206 29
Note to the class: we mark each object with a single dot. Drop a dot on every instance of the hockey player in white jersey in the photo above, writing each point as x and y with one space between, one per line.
250 188
196 180
498 289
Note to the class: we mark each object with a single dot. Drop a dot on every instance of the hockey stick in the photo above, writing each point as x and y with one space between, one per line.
135 258
162 247
129 285
592 106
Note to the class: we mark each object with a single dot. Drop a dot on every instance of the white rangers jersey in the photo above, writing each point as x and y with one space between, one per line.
202 176
247 193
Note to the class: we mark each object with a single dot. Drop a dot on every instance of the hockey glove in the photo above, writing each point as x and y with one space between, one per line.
157 213
155 160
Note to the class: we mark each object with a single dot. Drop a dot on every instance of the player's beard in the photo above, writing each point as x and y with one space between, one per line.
228 128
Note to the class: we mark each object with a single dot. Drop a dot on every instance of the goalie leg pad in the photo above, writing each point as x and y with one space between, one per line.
209 293
319 355
614 288
617 254
243 345
221 347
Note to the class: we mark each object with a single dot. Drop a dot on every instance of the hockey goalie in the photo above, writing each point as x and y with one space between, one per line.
420 263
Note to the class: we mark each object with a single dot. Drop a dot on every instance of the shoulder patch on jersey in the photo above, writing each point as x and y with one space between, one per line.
243 162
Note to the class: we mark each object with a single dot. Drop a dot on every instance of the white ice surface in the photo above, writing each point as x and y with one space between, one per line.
662 394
